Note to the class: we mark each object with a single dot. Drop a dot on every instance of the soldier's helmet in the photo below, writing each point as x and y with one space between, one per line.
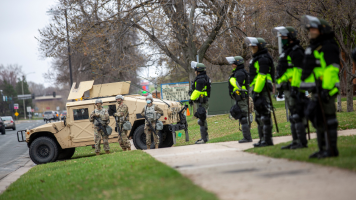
287 31
237 60
98 101
199 67
255 42
314 22
119 97
149 97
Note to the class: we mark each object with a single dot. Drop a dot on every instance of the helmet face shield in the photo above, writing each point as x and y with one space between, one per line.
251 41
310 22
281 31
230 59
193 64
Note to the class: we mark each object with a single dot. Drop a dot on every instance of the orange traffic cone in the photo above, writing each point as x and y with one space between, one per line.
188 113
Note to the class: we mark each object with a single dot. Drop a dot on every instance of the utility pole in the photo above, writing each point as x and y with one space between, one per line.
69 56
23 100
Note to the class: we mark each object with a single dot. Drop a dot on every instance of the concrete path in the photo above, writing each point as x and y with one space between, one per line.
224 169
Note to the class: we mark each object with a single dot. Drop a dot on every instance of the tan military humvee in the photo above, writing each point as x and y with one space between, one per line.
58 140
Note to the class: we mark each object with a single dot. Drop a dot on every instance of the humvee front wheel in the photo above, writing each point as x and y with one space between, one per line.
66 153
43 150
139 138
167 139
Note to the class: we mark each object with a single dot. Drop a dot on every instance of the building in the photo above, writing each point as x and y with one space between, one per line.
47 103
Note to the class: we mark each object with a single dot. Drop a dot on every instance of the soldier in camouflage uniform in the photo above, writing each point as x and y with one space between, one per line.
152 113
122 113
103 116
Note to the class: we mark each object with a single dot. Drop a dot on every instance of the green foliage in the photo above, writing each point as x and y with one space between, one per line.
9 91
120 175
28 102
346 159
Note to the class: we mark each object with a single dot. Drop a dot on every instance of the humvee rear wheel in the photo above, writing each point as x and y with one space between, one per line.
139 138
66 153
43 150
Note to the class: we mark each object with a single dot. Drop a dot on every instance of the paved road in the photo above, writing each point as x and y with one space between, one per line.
224 169
14 154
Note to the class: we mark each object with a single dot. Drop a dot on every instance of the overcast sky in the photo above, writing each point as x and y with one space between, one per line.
19 24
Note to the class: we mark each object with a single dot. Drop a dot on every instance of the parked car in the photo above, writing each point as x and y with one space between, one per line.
2 127
9 122
49 115
63 114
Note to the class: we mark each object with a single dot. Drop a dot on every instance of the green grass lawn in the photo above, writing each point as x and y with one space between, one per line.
120 175
222 129
346 159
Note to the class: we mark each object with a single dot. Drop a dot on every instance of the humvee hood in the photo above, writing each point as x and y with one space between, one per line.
54 127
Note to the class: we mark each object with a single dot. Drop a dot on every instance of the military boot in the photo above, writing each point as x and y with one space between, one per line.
107 151
267 131
148 147
302 136
156 146
294 137
260 134
97 153
123 149
129 149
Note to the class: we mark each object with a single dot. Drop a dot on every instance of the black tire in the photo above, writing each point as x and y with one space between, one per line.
139 138
14 128
43 150
66 153
3 131
168 139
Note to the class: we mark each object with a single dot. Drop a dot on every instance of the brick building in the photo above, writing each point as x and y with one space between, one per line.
47 103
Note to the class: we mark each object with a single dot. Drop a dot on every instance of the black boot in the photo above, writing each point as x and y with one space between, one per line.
302 136
332 150
316 154
260 134
203 134
245 131
267 131
294 136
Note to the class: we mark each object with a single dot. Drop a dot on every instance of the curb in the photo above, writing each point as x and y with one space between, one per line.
13 176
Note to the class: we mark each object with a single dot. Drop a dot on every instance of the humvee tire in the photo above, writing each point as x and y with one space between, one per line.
139 138
66 153
43 150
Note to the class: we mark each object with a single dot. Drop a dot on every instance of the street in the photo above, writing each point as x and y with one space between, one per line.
14 154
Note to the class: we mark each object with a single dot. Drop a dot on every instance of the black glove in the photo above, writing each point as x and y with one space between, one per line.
280 94
190 92
325 97
190 102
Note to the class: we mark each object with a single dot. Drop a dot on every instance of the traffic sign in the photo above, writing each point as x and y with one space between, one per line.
32 110
16 114
16 106
29 109
24 96
175 91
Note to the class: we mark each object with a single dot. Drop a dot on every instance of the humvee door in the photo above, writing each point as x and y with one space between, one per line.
81 129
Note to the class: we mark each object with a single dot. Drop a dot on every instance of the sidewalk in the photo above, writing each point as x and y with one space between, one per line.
224 169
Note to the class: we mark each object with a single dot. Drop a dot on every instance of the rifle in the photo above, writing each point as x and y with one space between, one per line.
118 129
274 114
101 127
149 123
324 118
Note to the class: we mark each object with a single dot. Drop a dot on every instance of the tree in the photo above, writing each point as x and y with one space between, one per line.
18 89
9 91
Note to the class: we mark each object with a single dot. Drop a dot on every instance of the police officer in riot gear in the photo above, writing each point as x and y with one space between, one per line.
354 55
261 71
238 82
288 82
320 76
200 93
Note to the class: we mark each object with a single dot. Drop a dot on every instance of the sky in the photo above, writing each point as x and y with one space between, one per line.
19 24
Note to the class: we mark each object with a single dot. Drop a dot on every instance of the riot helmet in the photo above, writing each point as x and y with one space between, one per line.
287 31
199 67
314 22
255 42
237 60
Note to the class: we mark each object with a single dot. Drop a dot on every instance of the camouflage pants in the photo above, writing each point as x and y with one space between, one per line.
97 139
149 133
123 140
